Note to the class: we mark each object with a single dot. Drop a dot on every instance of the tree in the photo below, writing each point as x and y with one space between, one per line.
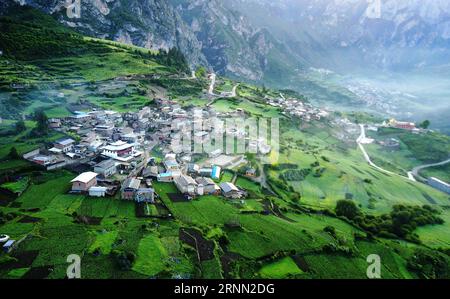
13 154
42 121
201 72
20 126
425 124
346 208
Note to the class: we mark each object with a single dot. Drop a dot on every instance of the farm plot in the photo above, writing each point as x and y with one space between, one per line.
283 268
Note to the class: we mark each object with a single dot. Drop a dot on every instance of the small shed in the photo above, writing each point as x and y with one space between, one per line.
97 191
145 195
215 175
84 181
129 188
230 190
207 172
9 246
250 172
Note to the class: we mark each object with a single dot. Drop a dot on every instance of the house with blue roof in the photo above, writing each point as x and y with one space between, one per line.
216 170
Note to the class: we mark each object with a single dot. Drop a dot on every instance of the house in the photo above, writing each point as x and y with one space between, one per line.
168 177
130 137
55 151
215 174
9 246
96 191
145 195
65 145
186 184
80 117
44 160
95 145
438 184
118 149
105 130
80 149
151 171
54 123
229 190
205 172
171 165
106 168
402 125
250 172
122 152
206 186
215 153
84 181
192 168
129 188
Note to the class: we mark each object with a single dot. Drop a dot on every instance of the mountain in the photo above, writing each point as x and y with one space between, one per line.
295 44
152 24
232 45
397 35
271 40
208 33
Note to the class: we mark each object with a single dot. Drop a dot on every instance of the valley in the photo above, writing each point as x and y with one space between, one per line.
311 206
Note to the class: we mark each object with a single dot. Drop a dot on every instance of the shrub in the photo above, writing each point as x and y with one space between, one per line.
330 229
347 208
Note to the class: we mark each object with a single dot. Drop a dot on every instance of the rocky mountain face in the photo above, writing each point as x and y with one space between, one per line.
152 24
270 40
208 32
232 45
385 34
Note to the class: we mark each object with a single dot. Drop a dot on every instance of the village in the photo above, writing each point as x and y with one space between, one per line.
296 108
113 152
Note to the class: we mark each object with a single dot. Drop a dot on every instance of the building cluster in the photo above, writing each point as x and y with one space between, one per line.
113 151
193 180
393 123
100 135
297 108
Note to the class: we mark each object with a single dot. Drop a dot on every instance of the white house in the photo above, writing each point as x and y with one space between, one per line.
121 151
97 191
65 145
230 190
106 168
186 184
206 186
84 181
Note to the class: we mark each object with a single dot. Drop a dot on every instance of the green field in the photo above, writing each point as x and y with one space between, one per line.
283 268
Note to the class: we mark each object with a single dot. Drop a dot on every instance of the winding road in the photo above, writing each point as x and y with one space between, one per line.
416 170
362 137
411 175
233 91
213 83
232 94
